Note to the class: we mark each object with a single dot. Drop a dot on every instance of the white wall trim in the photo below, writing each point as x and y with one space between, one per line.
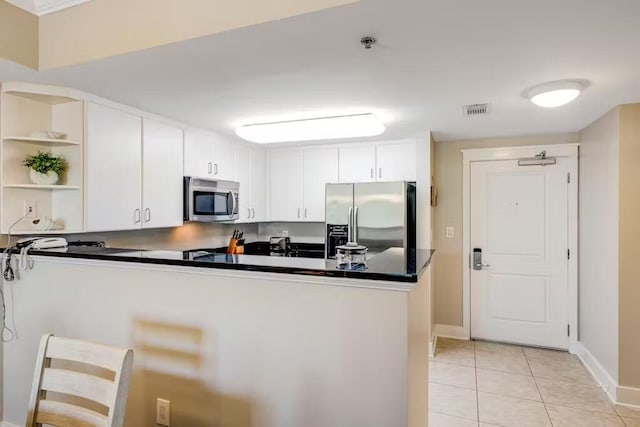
628 396
608 384
432 346
8 424
510 153
45 7
450 331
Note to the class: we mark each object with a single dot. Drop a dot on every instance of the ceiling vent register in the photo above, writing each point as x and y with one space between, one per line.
475 110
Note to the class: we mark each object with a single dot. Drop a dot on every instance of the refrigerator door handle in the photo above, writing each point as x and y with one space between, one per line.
349 225
355 225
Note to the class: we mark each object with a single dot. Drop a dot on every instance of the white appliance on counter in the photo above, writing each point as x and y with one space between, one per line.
210 201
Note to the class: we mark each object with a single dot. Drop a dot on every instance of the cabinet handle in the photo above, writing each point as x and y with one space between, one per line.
298 212
253 213
136 216
379 172
147 215
248 213
210 167
371 172
215 169
305 212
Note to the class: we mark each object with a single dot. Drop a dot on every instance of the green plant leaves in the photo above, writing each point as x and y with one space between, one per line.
44 162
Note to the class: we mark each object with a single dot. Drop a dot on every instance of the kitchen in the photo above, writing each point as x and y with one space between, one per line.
251 201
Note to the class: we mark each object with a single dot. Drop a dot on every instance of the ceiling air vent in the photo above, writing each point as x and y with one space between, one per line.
475 109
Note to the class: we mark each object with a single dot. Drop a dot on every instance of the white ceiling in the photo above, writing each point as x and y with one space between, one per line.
432 57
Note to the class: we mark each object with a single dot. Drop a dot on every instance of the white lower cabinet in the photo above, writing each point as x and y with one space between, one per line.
121 153
113 169
162 175
320 169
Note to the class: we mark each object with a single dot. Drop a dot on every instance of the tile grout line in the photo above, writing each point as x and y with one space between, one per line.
544 404
475 372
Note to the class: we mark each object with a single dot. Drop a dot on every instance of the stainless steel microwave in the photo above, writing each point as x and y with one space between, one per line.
210 201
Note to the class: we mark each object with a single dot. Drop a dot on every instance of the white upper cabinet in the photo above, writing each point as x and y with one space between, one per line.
320 168
286 188
258 185
198 156
243 176
113 169
357 163
208 156
223 158
162 174
396 161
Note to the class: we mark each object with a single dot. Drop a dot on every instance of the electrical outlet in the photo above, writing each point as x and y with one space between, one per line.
30 208
163 412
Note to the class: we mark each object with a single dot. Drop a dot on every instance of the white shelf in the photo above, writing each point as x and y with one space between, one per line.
51 141
42 187
42 232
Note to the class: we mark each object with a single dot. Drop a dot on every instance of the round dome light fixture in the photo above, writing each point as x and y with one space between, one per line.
555 94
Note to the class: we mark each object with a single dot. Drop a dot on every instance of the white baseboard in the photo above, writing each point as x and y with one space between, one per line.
608 384
7 424
450 331
432 346
628 396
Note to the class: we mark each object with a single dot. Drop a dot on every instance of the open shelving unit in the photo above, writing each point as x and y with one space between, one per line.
26 110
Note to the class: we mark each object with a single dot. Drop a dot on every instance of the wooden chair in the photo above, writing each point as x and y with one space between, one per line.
110 393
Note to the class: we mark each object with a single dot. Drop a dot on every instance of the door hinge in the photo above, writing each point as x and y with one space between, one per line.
568 177
568 253
568 330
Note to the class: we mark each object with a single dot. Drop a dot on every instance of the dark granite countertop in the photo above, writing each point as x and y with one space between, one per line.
394 264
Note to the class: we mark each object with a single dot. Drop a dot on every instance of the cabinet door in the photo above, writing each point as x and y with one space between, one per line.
286 185
162 175
243 176
113 169
197 154
357 163
258 185
396 162
320 168
223 159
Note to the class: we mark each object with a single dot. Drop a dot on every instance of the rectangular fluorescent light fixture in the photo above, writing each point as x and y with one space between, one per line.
337 127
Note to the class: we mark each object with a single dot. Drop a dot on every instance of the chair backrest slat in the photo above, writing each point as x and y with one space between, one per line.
62 414
110 393
78 384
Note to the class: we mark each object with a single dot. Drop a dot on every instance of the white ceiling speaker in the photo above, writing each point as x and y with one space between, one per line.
555 94
317 128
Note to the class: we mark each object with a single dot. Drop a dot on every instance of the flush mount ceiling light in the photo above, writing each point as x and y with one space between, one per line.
555 94
335 127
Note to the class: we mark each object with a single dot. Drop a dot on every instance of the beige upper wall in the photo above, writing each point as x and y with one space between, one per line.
18 35
629 251
447 263
103 28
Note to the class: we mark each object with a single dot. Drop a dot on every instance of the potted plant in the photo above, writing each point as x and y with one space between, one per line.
45 168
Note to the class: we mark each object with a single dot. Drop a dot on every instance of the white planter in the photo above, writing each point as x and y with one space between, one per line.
50 178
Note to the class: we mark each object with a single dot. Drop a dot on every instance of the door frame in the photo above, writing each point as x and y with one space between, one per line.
569 151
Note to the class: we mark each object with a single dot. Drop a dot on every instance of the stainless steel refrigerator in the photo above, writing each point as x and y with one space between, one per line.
378 215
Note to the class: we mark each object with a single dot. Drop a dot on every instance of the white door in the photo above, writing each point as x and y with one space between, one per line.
286 185
243 176
396 162
357 163
320 168
197 154
162 175
519 222
258 185
113 170
223 159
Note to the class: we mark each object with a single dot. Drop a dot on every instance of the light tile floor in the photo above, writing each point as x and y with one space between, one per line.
483 384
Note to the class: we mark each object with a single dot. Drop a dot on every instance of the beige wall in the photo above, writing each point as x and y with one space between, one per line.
103 28
629 223
598 247
18 35
448 178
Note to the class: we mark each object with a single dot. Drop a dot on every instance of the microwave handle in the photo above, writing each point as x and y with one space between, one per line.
233 202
